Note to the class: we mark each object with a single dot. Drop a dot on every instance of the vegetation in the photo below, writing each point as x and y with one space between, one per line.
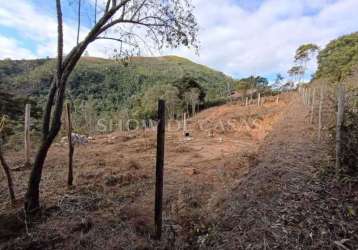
251 85
338 64
12 108
105 87
339 59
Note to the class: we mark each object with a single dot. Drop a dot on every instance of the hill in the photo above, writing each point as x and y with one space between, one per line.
110 81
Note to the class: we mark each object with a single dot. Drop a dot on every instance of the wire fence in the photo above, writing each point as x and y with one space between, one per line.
333 110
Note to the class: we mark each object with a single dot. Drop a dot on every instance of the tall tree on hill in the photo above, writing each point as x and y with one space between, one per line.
303 55
165 23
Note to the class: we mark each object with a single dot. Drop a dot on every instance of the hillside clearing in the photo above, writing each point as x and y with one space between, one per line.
223 189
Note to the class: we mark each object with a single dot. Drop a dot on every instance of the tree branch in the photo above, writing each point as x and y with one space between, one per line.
115 39
78 21
107 6
59 39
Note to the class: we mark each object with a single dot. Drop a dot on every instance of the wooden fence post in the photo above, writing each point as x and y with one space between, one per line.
277 99
259 99
312 105
247 101
320 114
159 170
340 118
308 97
184 124
305 99
27 135
70 145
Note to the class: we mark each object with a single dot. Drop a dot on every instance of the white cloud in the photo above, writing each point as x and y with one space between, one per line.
10 48
241 43
234 39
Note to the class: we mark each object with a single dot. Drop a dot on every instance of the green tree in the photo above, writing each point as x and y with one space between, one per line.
338 59
303 55
251 85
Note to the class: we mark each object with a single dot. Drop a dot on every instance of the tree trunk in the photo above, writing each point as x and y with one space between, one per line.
32 202
8 177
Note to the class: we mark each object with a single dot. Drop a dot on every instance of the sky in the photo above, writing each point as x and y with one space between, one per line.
238 37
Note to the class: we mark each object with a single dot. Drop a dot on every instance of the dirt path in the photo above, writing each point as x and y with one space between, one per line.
281 203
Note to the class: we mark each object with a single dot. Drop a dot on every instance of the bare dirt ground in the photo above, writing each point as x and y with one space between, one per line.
239 182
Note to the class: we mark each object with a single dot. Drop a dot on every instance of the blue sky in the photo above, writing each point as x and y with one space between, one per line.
238 37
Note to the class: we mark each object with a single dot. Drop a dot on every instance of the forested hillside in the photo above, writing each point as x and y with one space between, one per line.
109 82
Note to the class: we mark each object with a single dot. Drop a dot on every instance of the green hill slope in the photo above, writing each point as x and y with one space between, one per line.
104 88
109 82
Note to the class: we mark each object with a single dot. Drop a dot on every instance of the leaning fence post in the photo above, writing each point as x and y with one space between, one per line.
27 135
70 145
340 118
159 170
320 114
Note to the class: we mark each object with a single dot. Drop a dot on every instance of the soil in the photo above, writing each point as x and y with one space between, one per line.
244 178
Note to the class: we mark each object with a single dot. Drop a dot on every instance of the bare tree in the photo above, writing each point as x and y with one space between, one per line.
5 166
193 95
186 97
171 97
166 23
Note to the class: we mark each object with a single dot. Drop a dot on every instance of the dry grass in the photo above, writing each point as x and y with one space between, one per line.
247 188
